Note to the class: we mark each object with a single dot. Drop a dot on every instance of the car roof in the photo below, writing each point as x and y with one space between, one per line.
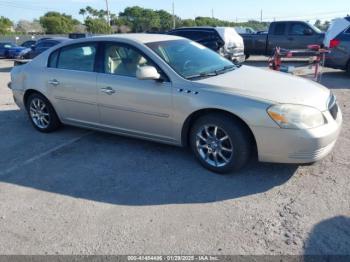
143 38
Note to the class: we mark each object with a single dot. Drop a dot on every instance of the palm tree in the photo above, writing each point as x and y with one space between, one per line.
82 12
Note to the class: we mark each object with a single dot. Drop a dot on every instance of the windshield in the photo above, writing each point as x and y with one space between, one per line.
316 29
190 59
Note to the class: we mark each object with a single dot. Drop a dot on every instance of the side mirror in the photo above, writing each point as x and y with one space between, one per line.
308 31
147 73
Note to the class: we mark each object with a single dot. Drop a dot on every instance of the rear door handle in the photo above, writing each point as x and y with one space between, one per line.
54 82
108 90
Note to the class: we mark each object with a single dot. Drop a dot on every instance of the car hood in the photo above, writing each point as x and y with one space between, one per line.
270 86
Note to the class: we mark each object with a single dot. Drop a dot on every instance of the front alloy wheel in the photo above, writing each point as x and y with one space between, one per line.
214 146
221 143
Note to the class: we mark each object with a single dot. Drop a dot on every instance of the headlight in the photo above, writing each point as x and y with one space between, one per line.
296 116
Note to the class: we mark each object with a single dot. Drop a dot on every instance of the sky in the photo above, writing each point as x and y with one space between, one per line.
231 10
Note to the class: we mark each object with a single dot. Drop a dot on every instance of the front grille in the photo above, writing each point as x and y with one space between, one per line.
333 107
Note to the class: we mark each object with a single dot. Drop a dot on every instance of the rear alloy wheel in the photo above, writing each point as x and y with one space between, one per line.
42 114
220 143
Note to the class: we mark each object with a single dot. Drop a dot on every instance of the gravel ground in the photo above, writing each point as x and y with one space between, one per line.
82 192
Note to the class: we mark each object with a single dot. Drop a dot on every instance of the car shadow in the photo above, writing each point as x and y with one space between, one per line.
5 69
329 241
336 80
118 170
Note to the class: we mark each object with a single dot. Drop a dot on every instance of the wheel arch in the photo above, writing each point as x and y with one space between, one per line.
202 112
29 92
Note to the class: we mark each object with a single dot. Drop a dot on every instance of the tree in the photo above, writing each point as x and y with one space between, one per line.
187 23
82 12
5 25
142 20
97 26
57 23
166 20
322 26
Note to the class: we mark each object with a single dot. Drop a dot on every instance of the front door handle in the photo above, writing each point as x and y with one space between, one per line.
54 82
108 90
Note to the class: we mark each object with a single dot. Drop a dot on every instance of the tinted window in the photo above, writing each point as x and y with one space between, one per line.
298 29
347 31
280 29
123 60
186 34
53 59
197 35
28 43
80 58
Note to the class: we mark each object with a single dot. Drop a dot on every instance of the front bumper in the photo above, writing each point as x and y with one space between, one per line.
279 145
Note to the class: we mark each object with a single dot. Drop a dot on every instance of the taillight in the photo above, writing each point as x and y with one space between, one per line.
334 43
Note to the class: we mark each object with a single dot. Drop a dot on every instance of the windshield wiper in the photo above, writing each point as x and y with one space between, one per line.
224 69
202 75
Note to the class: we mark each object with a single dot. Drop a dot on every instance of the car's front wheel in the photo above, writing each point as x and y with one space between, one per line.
221 143
41 113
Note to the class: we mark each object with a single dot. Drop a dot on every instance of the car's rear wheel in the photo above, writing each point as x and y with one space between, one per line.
221 144
41 113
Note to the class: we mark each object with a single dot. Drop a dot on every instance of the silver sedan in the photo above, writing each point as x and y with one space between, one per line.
172 90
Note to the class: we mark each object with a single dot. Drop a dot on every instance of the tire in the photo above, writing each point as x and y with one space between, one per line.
205 146
41 113
247 56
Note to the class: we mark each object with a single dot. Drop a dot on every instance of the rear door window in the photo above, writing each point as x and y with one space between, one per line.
280 29
77 57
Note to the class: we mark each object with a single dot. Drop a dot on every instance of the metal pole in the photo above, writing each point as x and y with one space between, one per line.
174 20
212 13
108 14
261 15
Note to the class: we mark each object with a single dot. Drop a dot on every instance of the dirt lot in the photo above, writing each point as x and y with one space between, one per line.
82 192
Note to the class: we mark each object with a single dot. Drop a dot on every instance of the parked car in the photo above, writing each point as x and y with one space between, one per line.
15 51
284 34
5 47
41 46
223 40
172 90
338 40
